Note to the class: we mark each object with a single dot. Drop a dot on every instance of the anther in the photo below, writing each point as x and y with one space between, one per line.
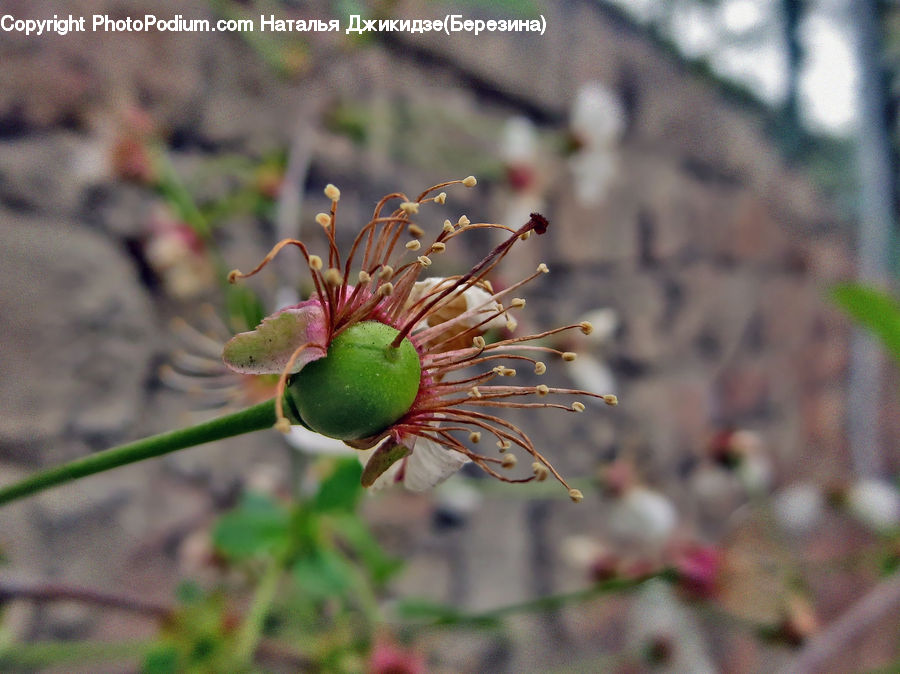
508 372
315 262
524 236
469 181
576 495
440 198
332 192
542 389
517 303
478 342
463 221
415 244
448 227
475 436
474 392
569 356
385 289
586 327
438 247
540 368
324 219
509 461
233 275
409 207
577 406
424 260
415 230
363 277
387 271
541 472
503 444
333 277
610 400
283 425
543 268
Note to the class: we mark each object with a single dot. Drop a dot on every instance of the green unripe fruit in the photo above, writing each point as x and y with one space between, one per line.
361 387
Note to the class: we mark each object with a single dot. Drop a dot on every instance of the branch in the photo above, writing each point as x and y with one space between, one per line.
881 601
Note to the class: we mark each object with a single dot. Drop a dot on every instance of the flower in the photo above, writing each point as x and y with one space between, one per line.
875 503
380 359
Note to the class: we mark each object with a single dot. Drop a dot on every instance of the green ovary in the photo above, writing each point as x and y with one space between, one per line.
361 387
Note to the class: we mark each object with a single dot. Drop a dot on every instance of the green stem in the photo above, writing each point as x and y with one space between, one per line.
252 628
253 418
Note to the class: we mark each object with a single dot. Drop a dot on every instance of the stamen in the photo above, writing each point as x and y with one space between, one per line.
577 406
409 207
424 260
315 262
441 198
576 495
463 221
415 244
332 192
469 181
324 219
610 400
569 356
478 342
474 437
509 461
542 389
333 277
415 230
363 277
540 368
540 471
438 247
543 268
385 289
448 227
517 303
503 445
586 327
387 271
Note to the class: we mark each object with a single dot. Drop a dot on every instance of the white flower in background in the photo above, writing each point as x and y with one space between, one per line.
519 142
309 441
605 321
643 515
875 503
798 508
591 373
518 149
597 123
665 632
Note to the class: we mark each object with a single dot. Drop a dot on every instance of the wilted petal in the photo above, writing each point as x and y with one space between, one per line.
268 348
382 462
430 464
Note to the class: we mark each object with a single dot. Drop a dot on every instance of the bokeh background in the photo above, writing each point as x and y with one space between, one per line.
704 196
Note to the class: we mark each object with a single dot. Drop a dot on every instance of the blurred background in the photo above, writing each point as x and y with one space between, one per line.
715 172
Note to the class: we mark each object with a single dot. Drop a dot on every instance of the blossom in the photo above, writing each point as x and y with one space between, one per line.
597 123
397 366
875 503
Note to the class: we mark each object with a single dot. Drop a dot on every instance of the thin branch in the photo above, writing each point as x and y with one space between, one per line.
41 592
883 600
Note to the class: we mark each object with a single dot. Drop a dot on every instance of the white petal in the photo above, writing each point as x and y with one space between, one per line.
305 440
430 464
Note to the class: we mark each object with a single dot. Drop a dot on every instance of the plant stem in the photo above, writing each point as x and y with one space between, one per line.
253 418
251 631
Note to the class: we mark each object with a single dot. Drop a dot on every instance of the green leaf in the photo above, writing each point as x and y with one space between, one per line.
161 660
341 490
257 526
873 309
322 573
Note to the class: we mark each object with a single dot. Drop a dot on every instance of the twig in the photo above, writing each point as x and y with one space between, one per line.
40 592
881 601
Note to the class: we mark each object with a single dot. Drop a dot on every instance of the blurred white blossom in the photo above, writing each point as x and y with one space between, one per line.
597 123
875 503
798 508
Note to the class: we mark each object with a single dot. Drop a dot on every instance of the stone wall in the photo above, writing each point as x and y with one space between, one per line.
713 253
